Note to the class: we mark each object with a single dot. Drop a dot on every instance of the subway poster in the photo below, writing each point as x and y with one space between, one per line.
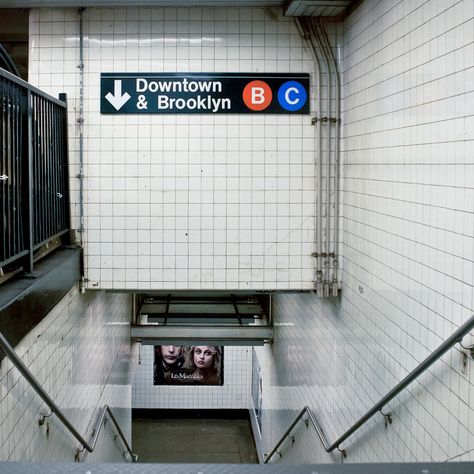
188 365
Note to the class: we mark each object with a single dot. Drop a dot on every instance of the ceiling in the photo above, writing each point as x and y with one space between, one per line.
210 318
292 7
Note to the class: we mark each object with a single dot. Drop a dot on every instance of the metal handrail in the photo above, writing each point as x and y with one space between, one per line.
455 338
18 363
28 86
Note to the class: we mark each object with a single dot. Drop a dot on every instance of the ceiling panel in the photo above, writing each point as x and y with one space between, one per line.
292 7
316 7
136 3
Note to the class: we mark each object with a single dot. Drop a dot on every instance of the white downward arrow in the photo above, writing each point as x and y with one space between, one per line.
117 99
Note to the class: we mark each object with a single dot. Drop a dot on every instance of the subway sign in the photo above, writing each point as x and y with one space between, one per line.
204 93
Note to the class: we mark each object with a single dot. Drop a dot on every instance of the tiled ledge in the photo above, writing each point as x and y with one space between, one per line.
24 302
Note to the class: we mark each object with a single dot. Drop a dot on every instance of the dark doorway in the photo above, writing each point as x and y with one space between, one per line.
188 436
14 33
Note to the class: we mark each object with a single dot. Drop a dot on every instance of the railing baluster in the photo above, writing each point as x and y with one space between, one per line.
17 182
43 182
37 194
29 179
13 156
64 168
47 174
39 163
11 172
50 172
5 166
8 167
33 140
40 175
3 181
58 168
59 217
54 167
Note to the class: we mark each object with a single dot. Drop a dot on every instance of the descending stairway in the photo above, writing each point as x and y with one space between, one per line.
214 319
194 440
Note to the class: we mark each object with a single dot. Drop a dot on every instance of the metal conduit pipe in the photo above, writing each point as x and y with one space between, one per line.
317 51
305 32
329 161
319 275
80 122
325 60
337 117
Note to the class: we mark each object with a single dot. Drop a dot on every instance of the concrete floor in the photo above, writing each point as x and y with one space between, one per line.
193 441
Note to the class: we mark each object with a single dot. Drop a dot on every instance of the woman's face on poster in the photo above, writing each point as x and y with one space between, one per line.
171 354
203 357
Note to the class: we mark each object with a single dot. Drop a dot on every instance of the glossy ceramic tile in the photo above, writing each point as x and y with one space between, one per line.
180 201
407 209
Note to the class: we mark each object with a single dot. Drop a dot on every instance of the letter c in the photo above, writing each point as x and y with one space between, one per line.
287 95
292 96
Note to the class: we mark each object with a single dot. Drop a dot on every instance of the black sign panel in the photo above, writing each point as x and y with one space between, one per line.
204 93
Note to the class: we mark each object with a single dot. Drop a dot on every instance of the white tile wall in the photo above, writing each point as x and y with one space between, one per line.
234 394
408 248
80 353
408 204
186 202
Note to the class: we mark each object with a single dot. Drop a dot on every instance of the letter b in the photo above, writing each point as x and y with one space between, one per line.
257 95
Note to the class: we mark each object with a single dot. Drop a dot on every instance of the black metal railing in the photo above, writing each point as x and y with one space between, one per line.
34 178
